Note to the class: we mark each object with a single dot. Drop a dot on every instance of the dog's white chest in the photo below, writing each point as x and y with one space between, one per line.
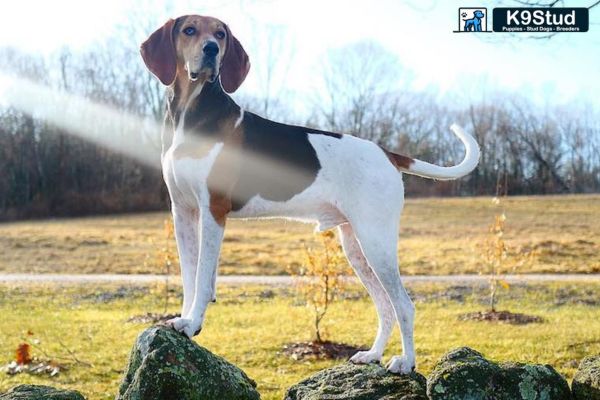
186 171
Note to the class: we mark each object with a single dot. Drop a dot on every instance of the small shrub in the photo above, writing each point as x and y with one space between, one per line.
321 279
165 255
499 257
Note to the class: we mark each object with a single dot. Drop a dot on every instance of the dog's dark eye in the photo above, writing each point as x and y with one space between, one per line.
190 31
220 34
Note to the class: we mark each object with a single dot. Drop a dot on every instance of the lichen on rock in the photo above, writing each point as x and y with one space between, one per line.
532 382
464 373
586 382
37 392
167 365
359 382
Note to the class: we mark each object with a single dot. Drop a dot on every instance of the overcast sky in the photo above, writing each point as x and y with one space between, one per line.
561 70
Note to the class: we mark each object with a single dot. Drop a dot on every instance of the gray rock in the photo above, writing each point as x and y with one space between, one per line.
464 374
359 382
532 382
586 382
38 392
164 364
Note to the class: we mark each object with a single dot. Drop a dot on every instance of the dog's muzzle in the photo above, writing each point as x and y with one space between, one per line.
209 60
208 68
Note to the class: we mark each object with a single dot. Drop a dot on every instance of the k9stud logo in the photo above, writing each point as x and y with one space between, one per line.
524 19
472 19
541 19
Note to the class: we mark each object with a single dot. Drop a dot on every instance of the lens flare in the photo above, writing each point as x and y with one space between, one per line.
106 126
124 133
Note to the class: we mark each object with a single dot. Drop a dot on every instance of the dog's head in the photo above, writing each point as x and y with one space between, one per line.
478 14
196 48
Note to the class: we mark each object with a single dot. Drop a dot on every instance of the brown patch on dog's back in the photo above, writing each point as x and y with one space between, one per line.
398 160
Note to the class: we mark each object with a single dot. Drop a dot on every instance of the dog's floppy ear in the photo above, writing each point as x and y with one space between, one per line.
235 64
158 52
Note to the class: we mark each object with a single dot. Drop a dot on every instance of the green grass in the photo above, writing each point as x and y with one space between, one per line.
249 329
438 236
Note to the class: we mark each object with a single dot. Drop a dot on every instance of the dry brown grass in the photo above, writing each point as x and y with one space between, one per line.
438 236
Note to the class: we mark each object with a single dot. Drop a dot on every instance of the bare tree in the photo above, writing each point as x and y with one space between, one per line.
272 50
355 78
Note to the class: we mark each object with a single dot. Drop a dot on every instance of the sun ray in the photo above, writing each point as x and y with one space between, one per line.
101 124
119 131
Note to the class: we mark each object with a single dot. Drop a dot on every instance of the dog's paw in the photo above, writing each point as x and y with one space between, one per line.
400 365
366 357
187 326
179 323
192 329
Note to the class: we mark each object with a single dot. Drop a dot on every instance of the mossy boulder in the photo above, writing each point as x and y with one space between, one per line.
164 364
38 392
359 382
532 382
464 373
586 382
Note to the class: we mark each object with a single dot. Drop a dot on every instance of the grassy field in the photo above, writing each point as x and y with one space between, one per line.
249 326
438 236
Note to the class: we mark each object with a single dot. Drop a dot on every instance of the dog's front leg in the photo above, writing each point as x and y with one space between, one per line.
186 222
211 237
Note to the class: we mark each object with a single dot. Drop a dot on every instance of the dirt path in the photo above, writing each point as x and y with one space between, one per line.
279 280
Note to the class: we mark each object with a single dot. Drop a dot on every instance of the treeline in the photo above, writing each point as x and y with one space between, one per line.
527 149
48 171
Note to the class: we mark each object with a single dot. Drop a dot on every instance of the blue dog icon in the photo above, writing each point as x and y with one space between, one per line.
474 24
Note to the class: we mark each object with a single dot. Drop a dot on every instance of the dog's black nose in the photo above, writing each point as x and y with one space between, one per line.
210 49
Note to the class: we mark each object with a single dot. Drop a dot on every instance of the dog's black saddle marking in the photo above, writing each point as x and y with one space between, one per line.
278 160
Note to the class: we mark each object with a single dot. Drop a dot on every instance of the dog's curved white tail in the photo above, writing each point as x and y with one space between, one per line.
432 171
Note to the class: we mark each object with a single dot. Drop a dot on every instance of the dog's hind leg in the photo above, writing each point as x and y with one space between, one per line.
378 239
384 308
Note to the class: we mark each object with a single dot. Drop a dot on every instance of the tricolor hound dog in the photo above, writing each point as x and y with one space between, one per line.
220 161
